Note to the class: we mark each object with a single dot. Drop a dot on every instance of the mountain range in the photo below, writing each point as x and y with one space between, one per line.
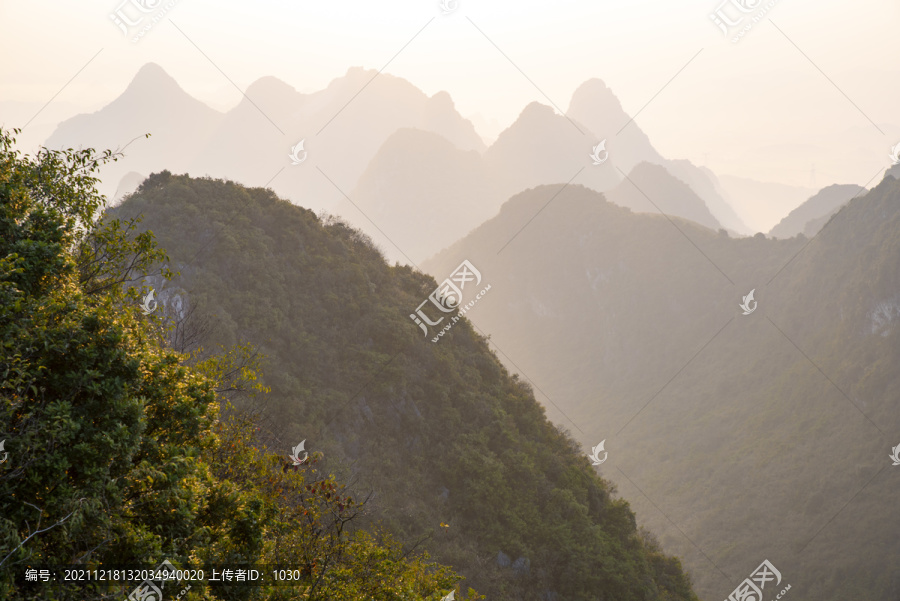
252 141
763 204
741 433
540 147
350 134
741 384
808 218
454 453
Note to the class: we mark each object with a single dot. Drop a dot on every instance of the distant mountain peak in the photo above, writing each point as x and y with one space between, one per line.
894 172
536 119
594 83
270 85
354 72
595 89
358 77
595 95
151 69
154 80
810 216
535 110
671 194
443 100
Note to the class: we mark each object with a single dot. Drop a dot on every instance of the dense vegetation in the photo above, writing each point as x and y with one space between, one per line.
123 451
736 438
459 456
121 436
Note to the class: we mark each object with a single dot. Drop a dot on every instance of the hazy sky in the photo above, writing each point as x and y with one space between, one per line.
760 108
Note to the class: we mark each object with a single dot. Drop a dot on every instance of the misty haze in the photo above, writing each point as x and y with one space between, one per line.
437 301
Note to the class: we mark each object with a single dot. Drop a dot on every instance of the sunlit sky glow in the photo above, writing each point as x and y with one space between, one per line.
760 108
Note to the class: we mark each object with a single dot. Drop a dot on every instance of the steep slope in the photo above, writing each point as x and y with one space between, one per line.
762 204
152 103
542 147
739 437
460 456
707 186
342 127
818 209
653 189
447 192
595 105
128 184
419 177
255 137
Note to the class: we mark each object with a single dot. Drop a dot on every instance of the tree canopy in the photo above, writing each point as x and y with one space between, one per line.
124 451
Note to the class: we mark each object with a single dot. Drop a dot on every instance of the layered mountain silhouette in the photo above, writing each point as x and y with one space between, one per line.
808 218
423 193
128 184
354 127
459 457
456 193
342 128
739 437
543 147
763 204
595 105
152 103
540 147
651 188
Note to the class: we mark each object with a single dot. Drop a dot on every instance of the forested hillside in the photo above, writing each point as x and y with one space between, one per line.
120 452
459 456
738 435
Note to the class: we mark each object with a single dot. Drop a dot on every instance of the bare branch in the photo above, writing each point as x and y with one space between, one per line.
36 532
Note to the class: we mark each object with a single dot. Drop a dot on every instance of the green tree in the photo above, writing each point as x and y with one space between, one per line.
103 426
460 454
116 452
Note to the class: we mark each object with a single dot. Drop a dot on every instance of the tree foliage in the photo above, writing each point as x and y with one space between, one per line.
460 457
117 451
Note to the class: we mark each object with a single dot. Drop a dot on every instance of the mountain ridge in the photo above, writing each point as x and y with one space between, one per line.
630 327
342 134
810 216
460 456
